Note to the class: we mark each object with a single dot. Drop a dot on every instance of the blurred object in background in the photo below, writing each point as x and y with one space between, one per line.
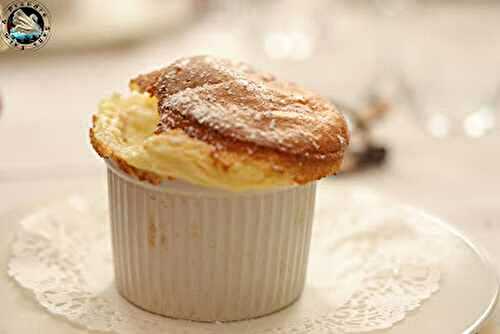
389 87
94 23
364 151
387 92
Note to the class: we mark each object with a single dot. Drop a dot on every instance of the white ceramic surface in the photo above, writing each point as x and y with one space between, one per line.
200 254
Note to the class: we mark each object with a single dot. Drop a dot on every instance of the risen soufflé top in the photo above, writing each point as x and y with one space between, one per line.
219 123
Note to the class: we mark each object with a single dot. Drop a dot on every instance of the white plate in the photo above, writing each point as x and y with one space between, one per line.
357 234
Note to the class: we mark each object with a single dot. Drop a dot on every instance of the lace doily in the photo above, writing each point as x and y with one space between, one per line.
371 263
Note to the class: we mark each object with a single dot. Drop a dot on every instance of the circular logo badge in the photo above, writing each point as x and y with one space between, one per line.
25 25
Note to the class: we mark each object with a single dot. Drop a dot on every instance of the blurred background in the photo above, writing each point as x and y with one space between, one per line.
418 79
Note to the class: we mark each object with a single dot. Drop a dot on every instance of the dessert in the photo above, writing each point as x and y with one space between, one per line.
211 170
228 127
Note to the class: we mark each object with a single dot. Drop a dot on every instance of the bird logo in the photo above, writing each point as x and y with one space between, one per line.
25 25
26 28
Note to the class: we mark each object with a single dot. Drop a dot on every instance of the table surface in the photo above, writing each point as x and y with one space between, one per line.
48 100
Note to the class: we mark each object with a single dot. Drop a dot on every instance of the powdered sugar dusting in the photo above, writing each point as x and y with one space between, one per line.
237 102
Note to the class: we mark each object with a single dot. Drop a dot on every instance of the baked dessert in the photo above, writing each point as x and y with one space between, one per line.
211 170
218 123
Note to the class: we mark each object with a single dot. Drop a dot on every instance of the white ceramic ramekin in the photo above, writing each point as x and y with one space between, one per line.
201 254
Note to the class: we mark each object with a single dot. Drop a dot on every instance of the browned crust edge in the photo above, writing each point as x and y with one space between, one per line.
106 153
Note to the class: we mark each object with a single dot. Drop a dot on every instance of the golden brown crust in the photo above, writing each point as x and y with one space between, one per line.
147 82
106 153
240 111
